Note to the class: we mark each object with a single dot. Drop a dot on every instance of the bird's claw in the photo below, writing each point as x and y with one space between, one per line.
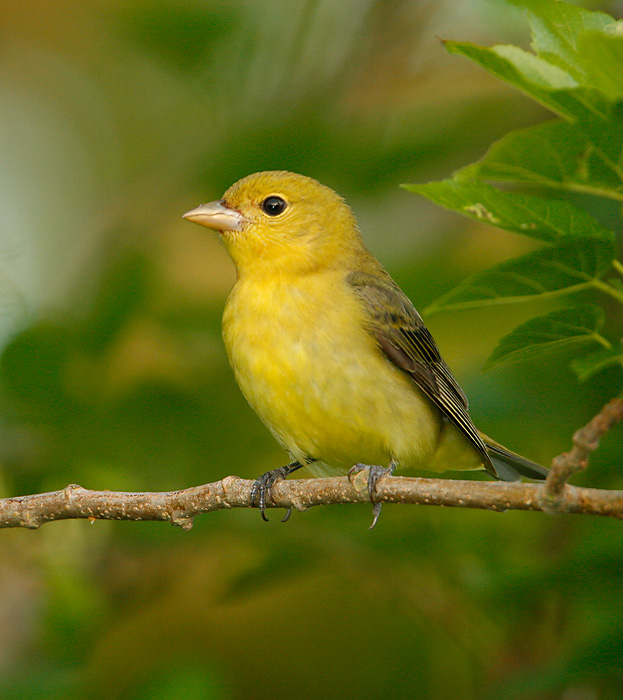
375 472
262 488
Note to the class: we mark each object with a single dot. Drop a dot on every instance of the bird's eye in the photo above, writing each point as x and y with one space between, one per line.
273 206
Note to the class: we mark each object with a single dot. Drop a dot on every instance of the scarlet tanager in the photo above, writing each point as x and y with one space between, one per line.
328 350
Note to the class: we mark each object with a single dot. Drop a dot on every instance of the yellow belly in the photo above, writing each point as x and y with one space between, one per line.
317 379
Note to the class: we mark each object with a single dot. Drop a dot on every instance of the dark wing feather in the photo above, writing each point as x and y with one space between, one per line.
405 341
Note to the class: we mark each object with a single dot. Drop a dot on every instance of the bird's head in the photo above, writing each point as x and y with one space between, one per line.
277 221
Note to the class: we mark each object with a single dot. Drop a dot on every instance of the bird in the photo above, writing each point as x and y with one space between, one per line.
329 351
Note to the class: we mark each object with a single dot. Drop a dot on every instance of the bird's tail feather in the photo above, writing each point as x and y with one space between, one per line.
510 466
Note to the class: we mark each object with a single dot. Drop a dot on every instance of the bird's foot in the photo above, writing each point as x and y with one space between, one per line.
262 488
375 472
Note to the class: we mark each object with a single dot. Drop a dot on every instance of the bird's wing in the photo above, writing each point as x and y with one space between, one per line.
404 339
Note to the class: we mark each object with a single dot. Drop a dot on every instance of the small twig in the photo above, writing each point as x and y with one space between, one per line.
180 507
555 491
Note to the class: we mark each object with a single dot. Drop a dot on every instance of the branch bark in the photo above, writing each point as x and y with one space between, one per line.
180 507
585 441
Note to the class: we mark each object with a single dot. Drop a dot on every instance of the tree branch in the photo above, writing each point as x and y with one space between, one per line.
180 507
585 441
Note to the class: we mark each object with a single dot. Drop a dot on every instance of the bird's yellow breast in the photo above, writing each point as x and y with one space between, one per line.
307 365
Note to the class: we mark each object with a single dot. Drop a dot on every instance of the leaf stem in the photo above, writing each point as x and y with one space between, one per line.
440 306
592 190
602 341
607 289
618 266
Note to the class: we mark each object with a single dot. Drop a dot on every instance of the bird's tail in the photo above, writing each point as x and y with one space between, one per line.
509 465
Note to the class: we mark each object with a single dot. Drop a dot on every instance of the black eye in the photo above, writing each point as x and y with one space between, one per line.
273 206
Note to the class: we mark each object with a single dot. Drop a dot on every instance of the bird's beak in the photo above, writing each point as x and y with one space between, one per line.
216 216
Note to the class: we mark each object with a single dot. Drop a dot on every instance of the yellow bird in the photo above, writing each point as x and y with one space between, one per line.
328 350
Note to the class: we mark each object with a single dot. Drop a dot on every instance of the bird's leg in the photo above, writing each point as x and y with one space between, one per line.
262 487
375 472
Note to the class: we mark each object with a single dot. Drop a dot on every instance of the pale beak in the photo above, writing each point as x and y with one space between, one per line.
216 216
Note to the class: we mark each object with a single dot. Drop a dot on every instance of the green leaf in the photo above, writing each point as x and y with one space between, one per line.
536 70
566 268
577 52
557 29
546 83
545 219
554 331
577 73
554 154
589 365
603 59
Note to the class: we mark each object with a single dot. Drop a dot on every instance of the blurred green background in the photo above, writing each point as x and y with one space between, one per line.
115 118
